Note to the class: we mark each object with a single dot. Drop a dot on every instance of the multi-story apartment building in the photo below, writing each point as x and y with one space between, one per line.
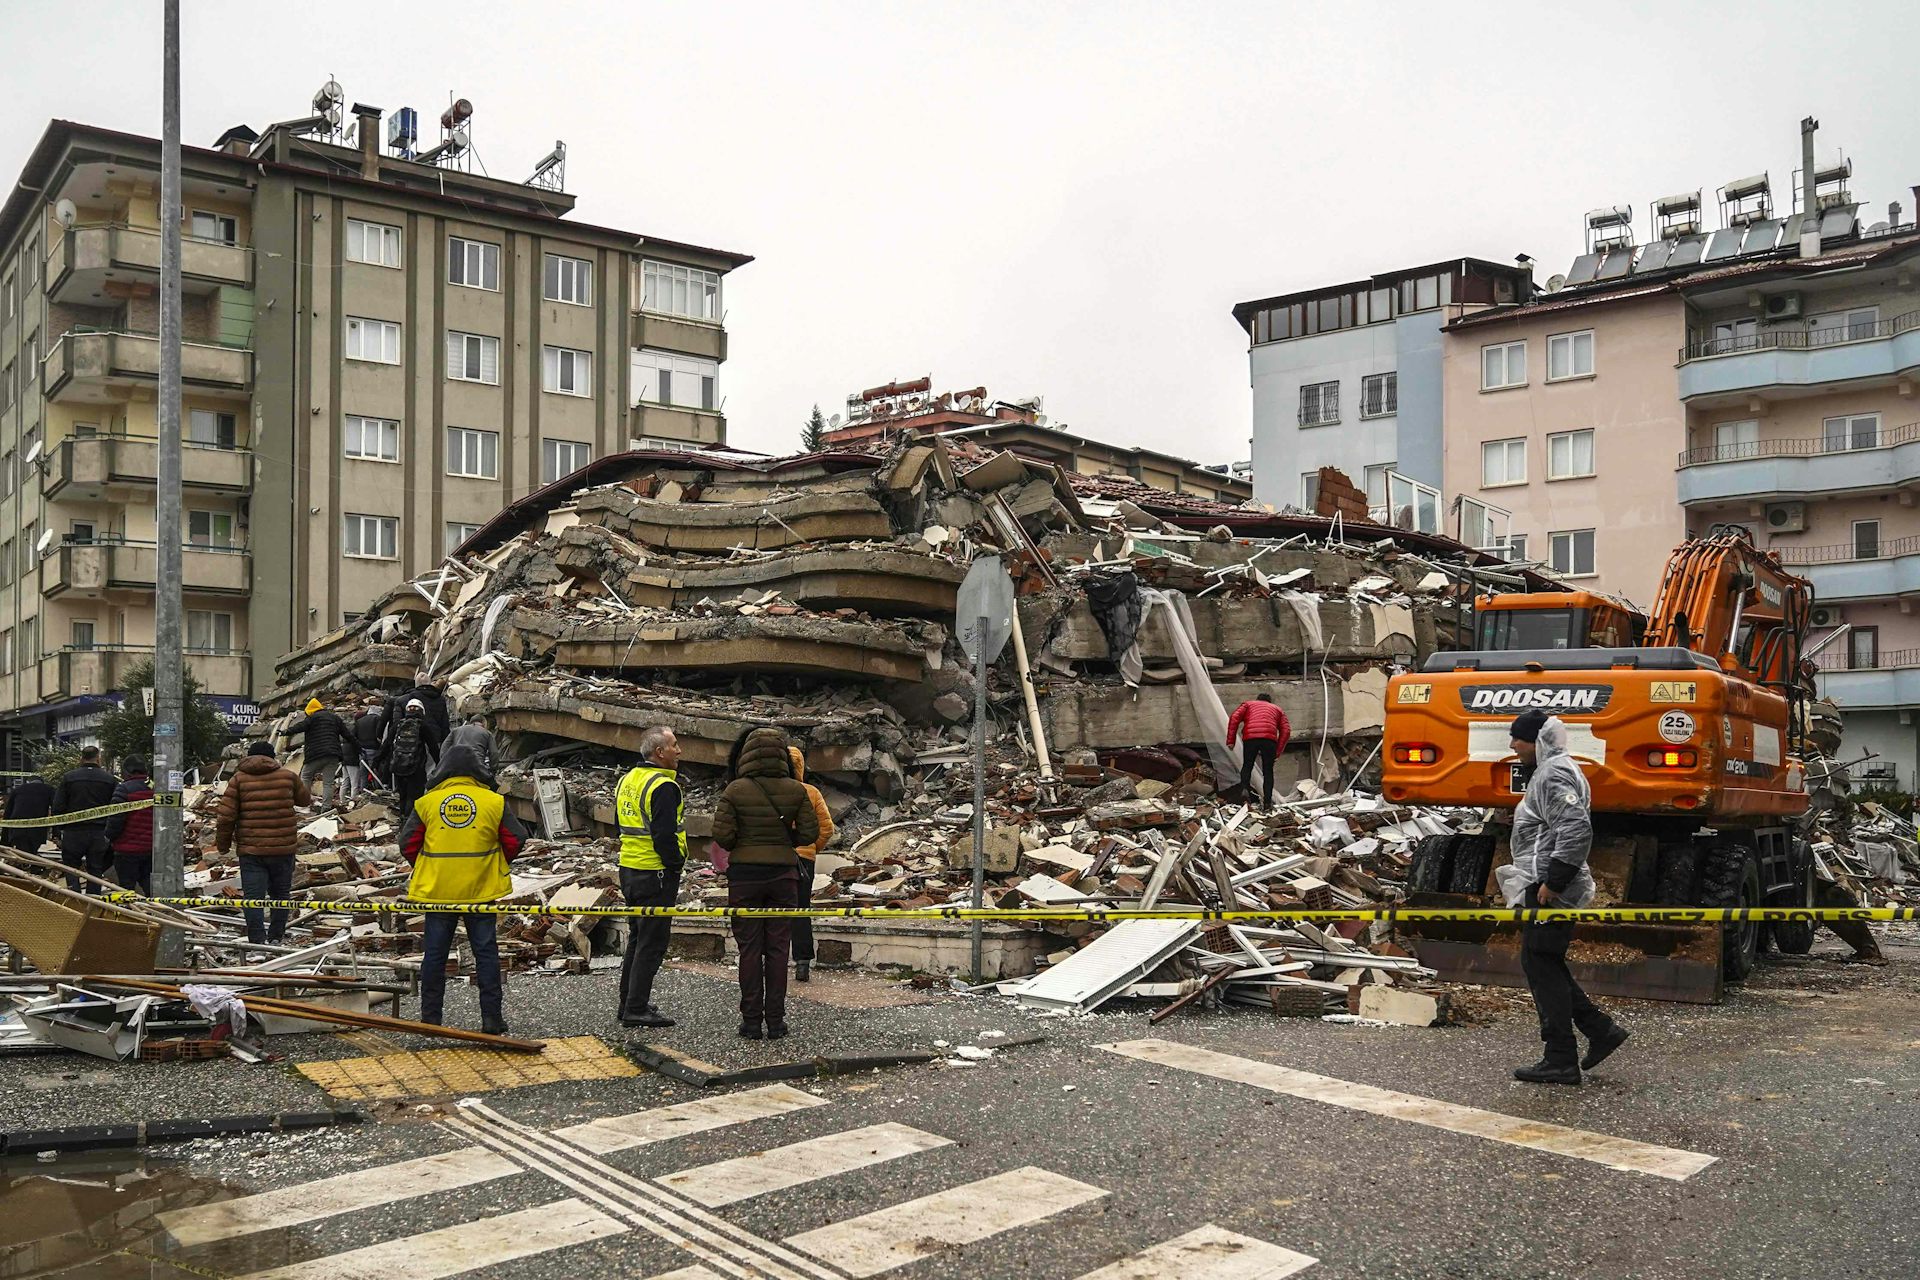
1349 376
1800 384
882 412
379 352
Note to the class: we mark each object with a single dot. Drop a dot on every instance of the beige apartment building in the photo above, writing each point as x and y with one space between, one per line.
379 352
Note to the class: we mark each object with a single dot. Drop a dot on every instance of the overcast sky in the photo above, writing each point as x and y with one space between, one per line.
1060 199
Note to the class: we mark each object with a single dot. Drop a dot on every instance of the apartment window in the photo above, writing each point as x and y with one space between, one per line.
1733 335
209 631
473 263
1866 539
85 430
209 529
458 533
1379 395
562 458
569 280
1309 490
80 633
1850 325
204 426
7 299
1512 547
81 531
373 242
30 265
1863 648
6 473
685 382
375 340
6 386
213 226
6 562
6 652
679 291
371 537
29 361
371 439
1319 404
568 372
1857 431
473 453
1376 481
1482 526
1570 355
1569 454
1503 462
29 554
1571 552
1503 365
472 357
1736 439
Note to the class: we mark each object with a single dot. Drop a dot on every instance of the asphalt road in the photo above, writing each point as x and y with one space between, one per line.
1804 1089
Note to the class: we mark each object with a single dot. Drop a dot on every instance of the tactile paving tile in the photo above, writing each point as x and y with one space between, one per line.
428 1073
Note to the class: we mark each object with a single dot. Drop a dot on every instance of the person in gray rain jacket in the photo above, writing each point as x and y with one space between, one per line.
1552 835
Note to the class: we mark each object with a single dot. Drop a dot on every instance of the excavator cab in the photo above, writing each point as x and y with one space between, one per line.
1555 620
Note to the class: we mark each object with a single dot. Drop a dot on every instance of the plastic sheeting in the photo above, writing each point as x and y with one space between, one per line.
1186 648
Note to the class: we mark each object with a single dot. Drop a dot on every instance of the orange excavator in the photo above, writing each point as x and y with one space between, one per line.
1686 725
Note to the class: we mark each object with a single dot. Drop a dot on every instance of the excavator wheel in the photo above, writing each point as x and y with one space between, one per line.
1729 877
1674 885
1795 937
1472 861
1432 869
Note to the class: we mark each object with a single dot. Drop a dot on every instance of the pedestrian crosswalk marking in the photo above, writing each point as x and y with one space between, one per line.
658 1124
1615 1153
902 1233
450 1251
343 1193
729 1181
1206 1253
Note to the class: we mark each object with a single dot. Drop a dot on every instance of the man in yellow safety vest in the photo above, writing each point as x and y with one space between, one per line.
652 810
460 839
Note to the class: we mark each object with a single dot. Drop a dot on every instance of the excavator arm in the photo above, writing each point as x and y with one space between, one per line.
1728 600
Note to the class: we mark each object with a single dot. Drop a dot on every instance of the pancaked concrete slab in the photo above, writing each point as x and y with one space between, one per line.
874 581
812 516
1260 630
923 946
1112 715
803 645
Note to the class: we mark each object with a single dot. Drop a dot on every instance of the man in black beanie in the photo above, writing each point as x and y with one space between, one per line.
1552 835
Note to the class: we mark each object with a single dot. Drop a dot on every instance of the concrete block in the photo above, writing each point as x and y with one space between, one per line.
1391 1004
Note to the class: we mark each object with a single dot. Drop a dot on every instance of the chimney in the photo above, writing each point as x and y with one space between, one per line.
1916 204
1809 209
369 118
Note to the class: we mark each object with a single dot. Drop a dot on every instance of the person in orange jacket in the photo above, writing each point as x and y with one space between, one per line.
803 927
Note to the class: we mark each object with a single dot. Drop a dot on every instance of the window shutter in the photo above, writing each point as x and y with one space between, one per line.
489 360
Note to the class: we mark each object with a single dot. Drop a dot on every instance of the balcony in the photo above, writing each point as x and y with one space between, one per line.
673 422
87 467
672 333
1801 465
1890 682
1840 572
85 258
94 568
82 360
75 671
1800 358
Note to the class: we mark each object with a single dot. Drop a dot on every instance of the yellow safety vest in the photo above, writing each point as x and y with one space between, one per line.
460 859
633 804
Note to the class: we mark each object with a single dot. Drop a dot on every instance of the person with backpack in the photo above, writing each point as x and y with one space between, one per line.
803 925
762 819
130 835
325 735
368 730
410 755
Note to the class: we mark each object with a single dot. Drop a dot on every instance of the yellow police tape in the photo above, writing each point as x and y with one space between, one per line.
79 816
1486 915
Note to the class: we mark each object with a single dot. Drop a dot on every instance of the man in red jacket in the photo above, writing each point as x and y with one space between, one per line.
1263 732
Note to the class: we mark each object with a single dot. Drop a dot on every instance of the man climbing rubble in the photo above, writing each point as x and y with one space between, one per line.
1552 835
1263 730
652 811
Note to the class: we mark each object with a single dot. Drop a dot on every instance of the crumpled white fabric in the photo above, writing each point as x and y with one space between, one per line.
215 1003
1186 649
1307 608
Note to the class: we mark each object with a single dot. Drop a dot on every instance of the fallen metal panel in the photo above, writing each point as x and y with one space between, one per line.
1122 956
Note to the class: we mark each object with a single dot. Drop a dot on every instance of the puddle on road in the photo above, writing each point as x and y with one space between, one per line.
93 1218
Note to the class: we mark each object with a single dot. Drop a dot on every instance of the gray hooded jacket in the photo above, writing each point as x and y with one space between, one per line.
1554 823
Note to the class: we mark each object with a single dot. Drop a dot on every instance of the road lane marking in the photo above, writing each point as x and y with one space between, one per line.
729 1181
327 1197
902 1233
618 1133
1615 1153
1205 1253
451 1251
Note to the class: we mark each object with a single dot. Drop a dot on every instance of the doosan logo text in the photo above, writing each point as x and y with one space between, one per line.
1573 699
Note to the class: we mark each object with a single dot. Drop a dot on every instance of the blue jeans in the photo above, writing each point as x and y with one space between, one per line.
269 876
483 937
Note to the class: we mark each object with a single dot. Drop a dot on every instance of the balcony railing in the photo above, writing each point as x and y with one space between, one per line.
1800 446
1786 338
1836 658
101 668
97 461
1841 552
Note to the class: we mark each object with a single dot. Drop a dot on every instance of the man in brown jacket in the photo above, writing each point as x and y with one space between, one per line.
257 820
762 819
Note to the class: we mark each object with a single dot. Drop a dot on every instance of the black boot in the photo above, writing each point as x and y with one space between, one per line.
1548 1071
651 1018
751 1030
802 971
1601 1047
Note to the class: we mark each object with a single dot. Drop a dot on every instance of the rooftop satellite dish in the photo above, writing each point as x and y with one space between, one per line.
1555 283
65 211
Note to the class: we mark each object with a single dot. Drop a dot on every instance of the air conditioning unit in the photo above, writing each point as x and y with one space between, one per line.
1783 306
1824 618
1787 517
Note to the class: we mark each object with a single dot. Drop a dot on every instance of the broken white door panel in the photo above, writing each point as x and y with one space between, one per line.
1122 956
